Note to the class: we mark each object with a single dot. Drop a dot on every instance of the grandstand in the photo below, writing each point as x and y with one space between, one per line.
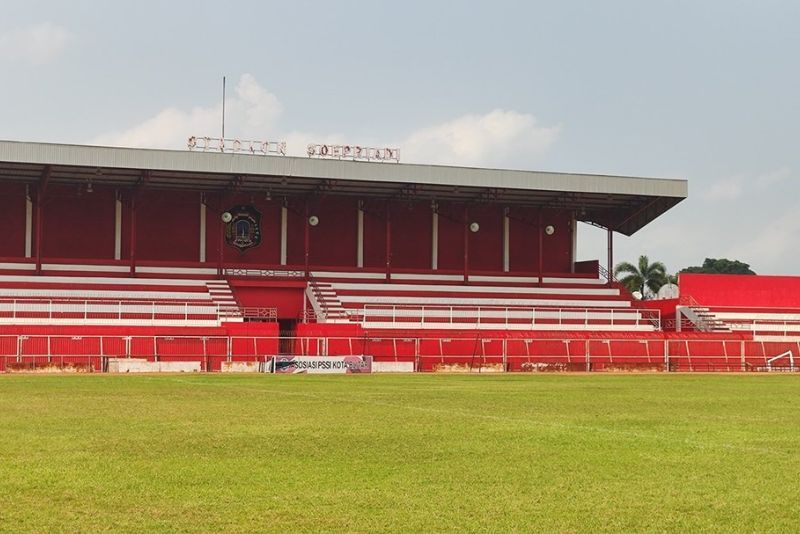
217 258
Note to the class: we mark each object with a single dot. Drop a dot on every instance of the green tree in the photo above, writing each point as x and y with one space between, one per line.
720 266
642 277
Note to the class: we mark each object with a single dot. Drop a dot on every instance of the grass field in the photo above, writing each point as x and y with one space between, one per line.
400 453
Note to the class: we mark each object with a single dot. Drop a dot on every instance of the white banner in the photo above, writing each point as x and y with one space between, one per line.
322 364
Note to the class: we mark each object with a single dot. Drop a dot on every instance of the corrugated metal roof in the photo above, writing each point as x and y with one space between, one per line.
623 203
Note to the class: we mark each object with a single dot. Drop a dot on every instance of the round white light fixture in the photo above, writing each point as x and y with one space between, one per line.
227 217
474 227
549 229
313 220
637 295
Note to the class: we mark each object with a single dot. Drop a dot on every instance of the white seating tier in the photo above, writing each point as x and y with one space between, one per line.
100 300
417 300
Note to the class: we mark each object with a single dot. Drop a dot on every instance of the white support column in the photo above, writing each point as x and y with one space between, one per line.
506 243
117 228
284 232
435 241
574 242
360 239
28 223
203 216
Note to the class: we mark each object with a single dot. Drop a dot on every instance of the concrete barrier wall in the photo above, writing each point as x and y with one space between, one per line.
392 367
136 365
241 367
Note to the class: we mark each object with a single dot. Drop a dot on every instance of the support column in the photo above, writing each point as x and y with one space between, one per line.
28 223
221 236
132 216
388 220
610 255
203 215
360 237
540 233
435 240
506 242
284 232
466 244
117 227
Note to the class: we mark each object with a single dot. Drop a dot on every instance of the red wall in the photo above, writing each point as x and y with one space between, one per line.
557 247
375 234
451 237
12 219
167 226
523 240
412 232
287 297
77 224
80 225
742 290
486 245
333 240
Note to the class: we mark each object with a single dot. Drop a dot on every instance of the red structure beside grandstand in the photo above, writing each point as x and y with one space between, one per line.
215 258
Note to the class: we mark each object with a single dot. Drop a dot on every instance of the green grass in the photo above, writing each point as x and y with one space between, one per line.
400 453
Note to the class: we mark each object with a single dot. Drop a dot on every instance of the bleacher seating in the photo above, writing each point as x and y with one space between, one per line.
96 300
444 301
766 323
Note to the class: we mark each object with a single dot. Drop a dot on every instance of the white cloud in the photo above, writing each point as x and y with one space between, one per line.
39 43
724 190
497 138
251 110
771 178
773 244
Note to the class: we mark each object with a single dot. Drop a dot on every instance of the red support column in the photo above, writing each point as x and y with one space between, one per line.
132 244
388 241
466 244
306 240
539 231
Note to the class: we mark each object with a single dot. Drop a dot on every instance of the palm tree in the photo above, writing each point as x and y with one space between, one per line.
642 277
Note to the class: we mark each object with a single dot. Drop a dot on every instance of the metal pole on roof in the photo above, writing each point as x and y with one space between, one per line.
223 107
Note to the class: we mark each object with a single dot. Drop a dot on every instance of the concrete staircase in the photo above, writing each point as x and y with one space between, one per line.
704 319
222 295
325 302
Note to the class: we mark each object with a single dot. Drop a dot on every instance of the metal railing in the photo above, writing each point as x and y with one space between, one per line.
269 273
316 294
43 353
431 316
105 311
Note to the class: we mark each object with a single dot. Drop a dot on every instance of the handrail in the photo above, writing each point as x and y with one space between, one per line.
268 273
609 276
135 309
317 293
502 315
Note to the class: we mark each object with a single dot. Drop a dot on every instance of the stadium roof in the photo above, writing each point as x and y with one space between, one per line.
624 204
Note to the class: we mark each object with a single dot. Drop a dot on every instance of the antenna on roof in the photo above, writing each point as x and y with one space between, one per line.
223 107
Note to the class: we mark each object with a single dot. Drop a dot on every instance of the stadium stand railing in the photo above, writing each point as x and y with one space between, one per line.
89 295
90 353
443 300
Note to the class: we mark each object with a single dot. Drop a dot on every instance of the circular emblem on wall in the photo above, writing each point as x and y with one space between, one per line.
243 230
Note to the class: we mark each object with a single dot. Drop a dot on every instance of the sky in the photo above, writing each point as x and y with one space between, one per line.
707 91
